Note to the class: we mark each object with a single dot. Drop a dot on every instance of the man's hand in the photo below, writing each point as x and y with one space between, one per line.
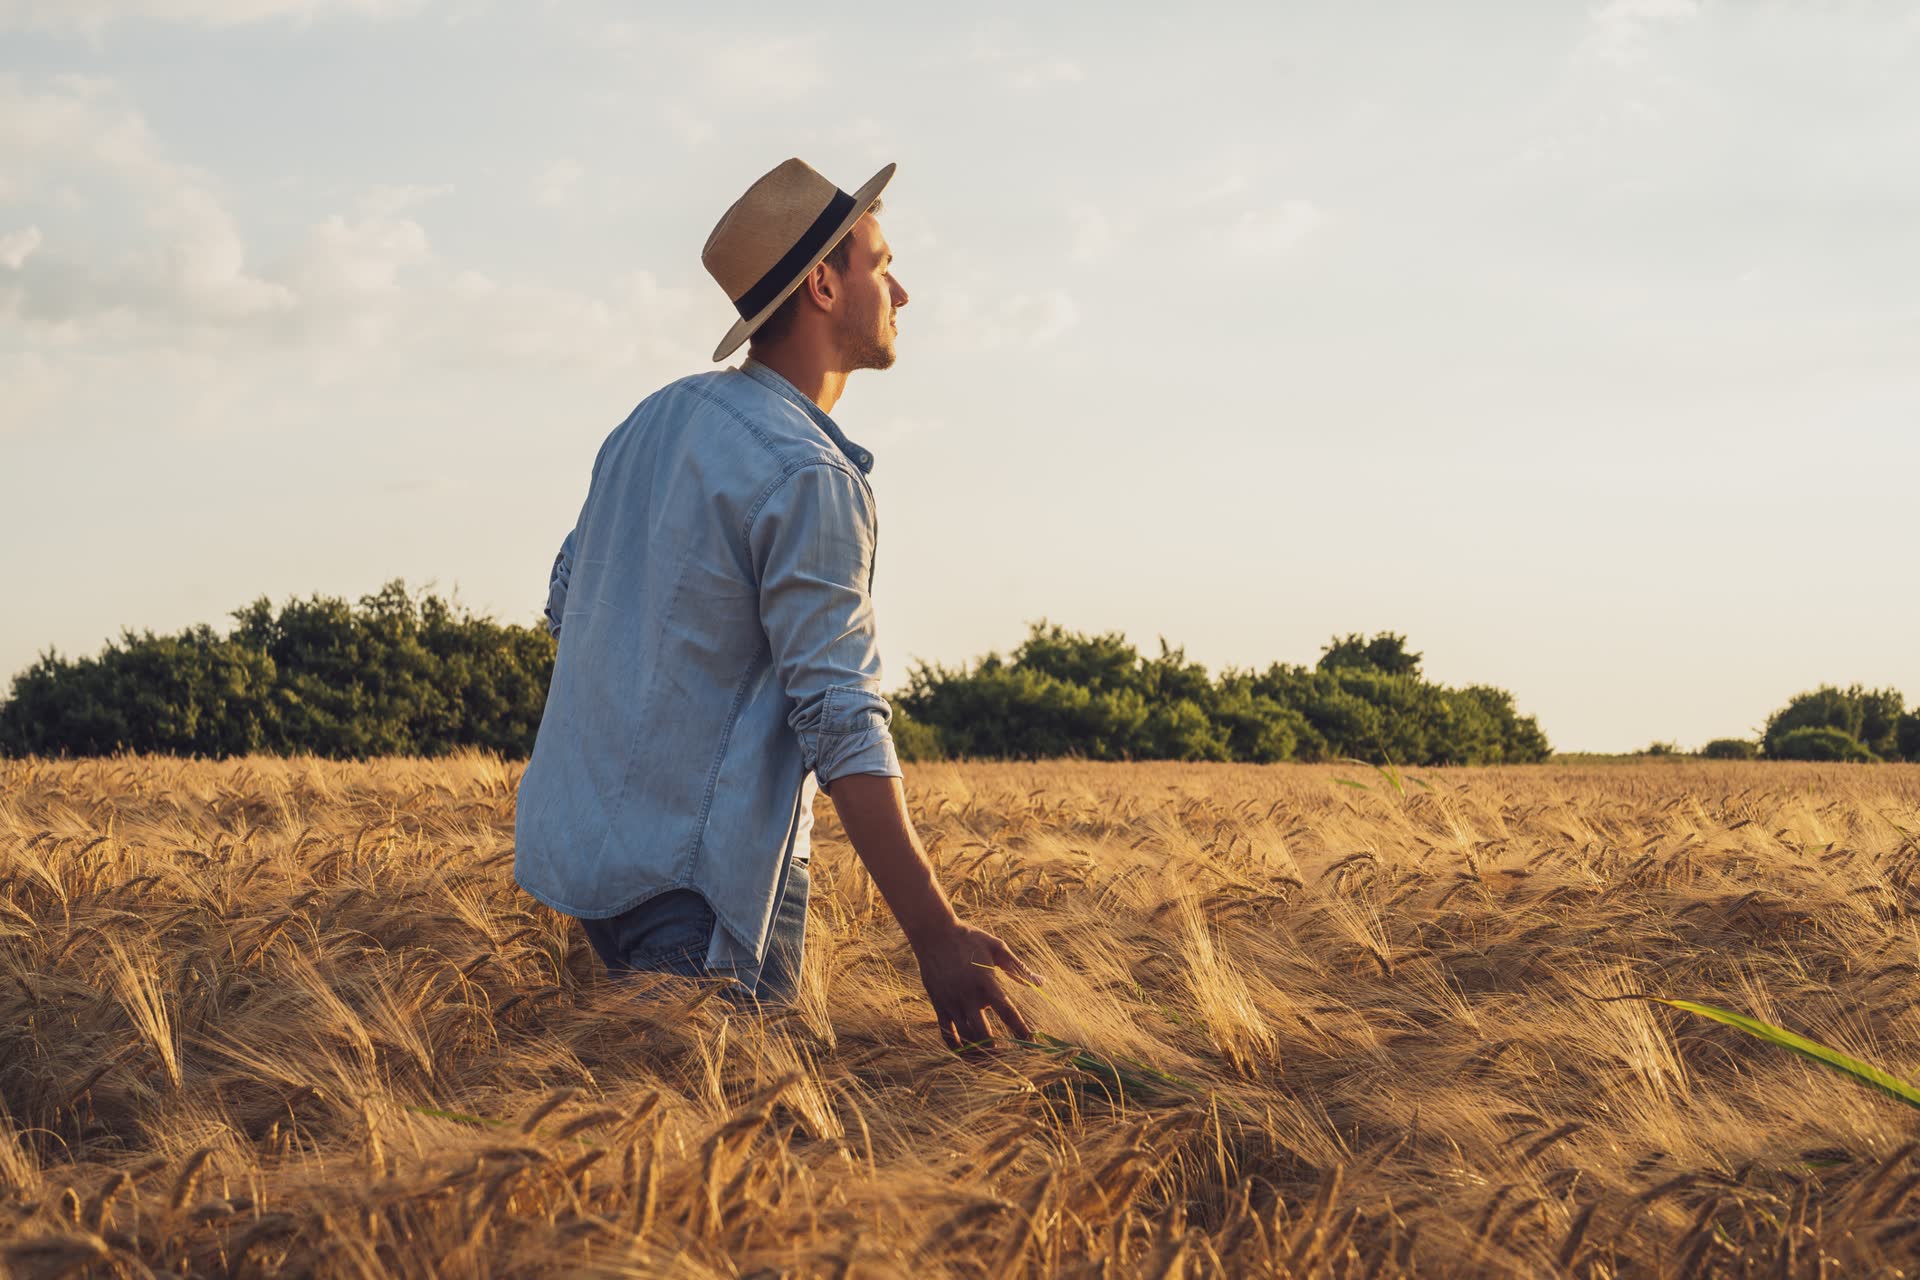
958 962
958 967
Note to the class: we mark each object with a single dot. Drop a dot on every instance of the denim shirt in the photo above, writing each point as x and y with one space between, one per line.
716 657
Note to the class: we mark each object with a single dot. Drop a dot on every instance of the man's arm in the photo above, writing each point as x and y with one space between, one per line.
557 582
957 961
812 546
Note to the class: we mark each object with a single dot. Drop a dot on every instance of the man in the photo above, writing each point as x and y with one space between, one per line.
717 657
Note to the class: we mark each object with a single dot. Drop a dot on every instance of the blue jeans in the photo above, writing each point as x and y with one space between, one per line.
670 933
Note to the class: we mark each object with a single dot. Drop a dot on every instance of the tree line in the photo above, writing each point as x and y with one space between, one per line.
1095 696
1854 724
402 672
410 673
398 673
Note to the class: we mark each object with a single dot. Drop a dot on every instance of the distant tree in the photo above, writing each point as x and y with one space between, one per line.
1870 716
1258 729
914 741
1907 737
1880 714
1182 730
1384 652
1818 742
396 673
408 673
1659 749
1517 738
1099 663
1730 749
194 693
1062 692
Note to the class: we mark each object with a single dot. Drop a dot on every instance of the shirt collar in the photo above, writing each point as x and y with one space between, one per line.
777 383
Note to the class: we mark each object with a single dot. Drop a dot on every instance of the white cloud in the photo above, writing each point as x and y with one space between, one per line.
556 184
1229 185
468 283
17 246
1036 71
1268 233
1095 235
175 284
866 135
91 16
390 201
1618 30
1025 320
692 130
728 68
205 263
77 135
771 69
1040 318
1019 65
365 255
30 390
1634 111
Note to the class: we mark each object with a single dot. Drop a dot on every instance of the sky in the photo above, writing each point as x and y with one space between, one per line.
1578 342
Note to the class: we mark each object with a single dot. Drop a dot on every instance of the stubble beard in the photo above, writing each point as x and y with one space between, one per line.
867 347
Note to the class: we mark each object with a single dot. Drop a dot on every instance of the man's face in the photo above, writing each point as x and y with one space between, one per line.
866 321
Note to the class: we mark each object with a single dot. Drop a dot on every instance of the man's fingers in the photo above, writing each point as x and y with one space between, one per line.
961 1001
1009 1016
973 1028
1004 957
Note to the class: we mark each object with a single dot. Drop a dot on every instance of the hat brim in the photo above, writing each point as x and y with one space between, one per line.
862 201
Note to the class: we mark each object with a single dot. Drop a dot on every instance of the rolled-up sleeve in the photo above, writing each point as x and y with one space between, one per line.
812 544
557 584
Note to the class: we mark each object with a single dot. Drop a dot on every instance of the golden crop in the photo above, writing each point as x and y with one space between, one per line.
275 1016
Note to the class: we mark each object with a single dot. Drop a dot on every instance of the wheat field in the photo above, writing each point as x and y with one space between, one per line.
292 1017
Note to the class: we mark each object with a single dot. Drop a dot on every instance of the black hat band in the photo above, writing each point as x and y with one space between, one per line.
782 273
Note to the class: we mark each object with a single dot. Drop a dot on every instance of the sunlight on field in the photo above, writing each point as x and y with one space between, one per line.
293 1016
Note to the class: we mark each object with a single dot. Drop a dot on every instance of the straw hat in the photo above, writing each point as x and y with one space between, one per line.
763 247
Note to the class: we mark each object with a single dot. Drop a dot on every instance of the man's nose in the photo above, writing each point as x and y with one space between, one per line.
899 294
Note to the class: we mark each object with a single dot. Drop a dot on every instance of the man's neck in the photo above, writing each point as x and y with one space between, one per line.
810 376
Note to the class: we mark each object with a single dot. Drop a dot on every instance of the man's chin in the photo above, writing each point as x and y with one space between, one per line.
874 354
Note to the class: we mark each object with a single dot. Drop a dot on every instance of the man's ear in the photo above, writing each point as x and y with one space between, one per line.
822 286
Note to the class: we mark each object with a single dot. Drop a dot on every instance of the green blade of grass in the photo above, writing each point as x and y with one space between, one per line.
1389 771
1864 1072
1120 1074
1136 1076
459 1116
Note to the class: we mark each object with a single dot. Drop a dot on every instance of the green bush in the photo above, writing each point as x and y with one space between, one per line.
399 673
914 741
1096 696
195 693
1818 742
1730 749
1386 652
394 674
1871 716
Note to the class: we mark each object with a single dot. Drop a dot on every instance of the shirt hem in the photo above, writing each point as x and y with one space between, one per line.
554 902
